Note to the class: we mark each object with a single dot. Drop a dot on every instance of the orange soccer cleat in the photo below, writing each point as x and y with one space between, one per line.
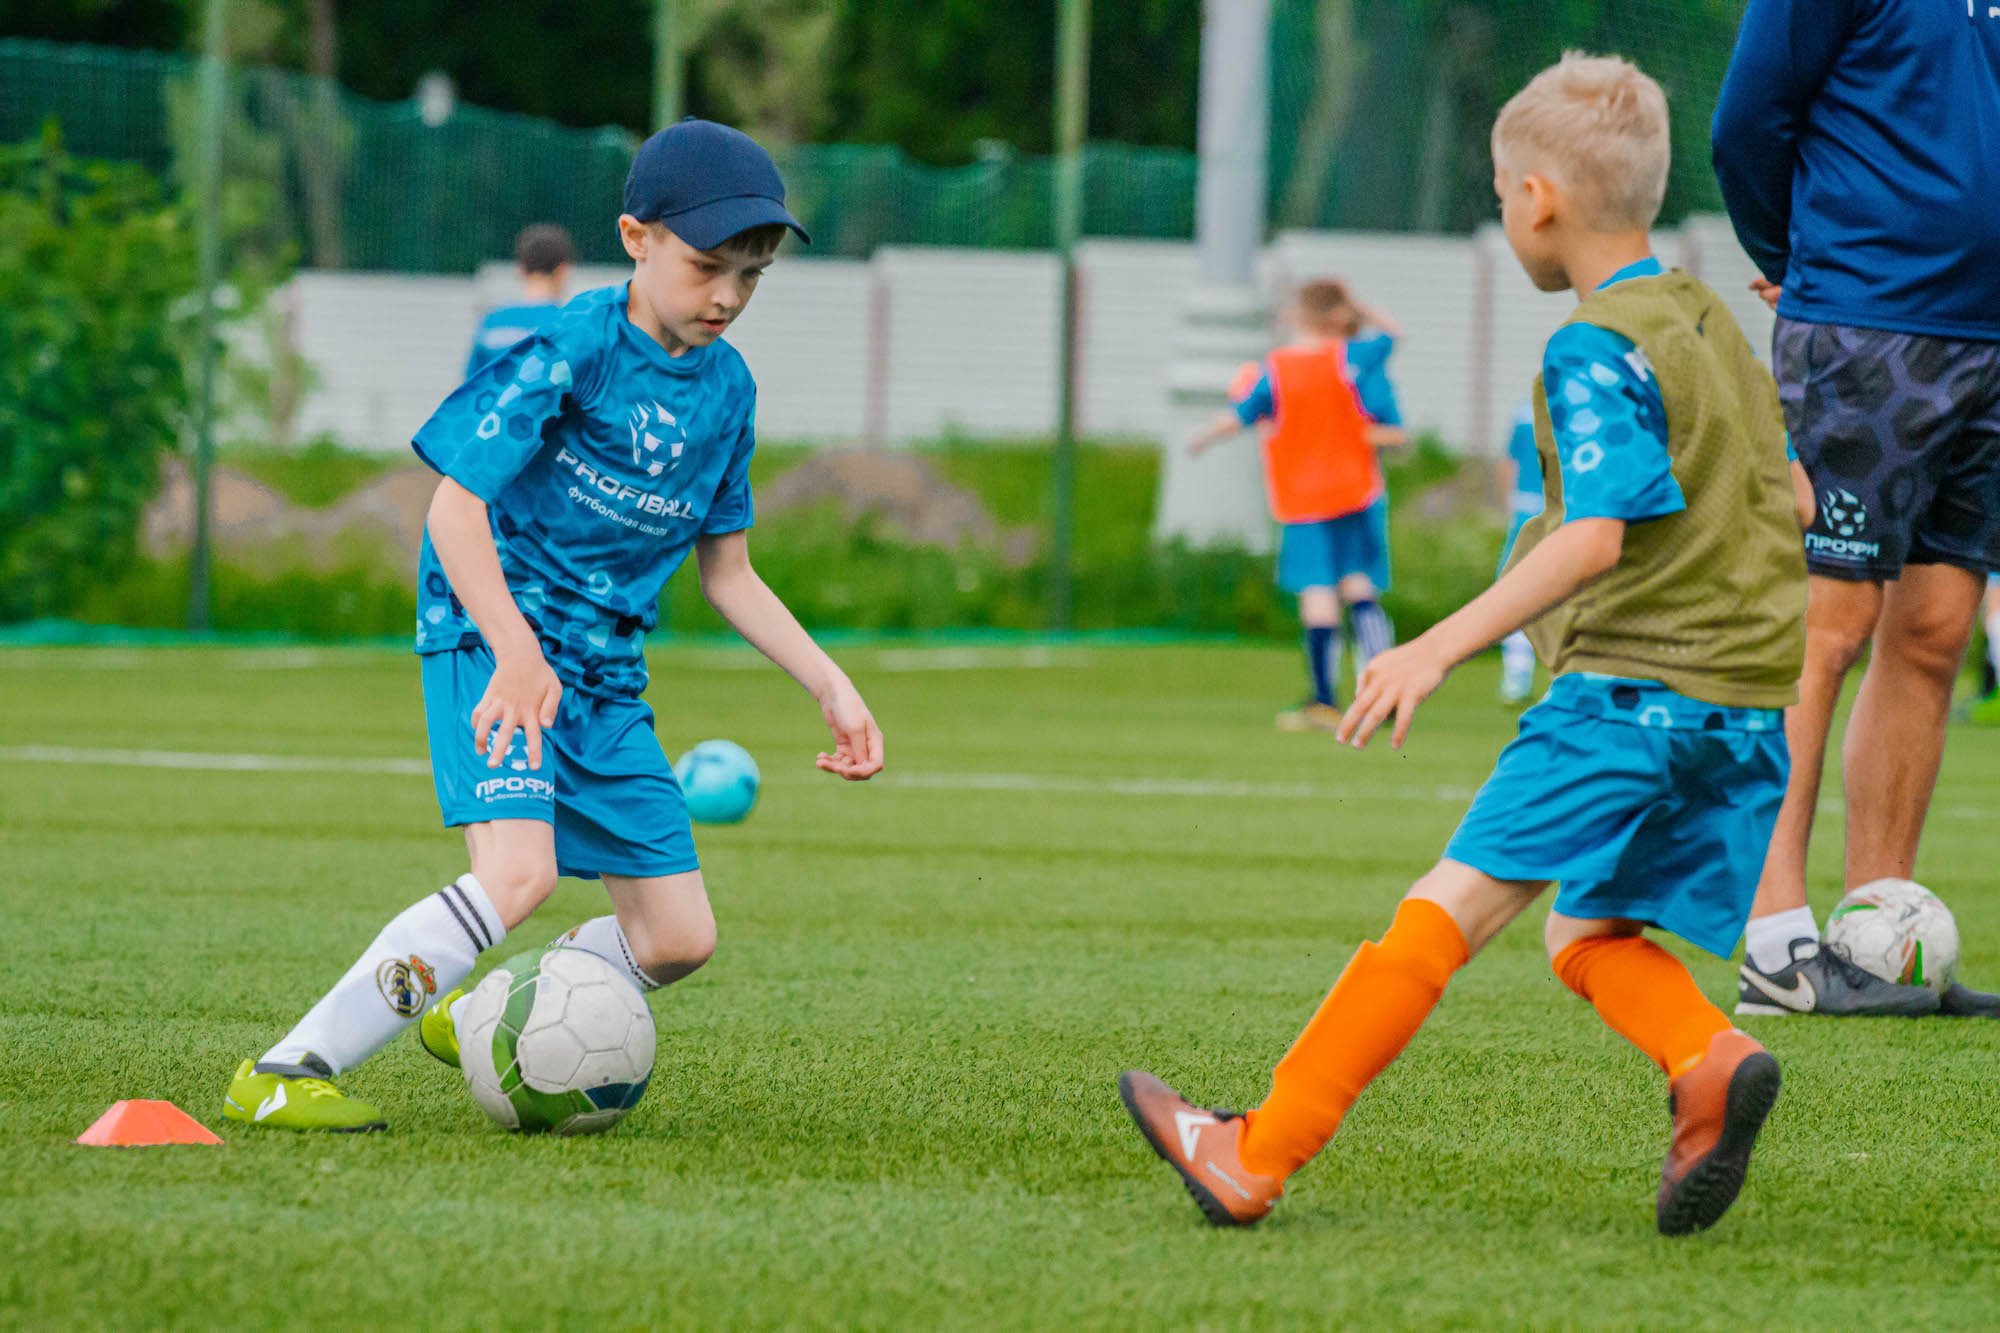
1202 1145
1718 1107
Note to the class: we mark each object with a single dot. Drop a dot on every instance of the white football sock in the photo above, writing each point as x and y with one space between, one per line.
1993 641
1372 633
1517 655
419 956
604 937
1768 940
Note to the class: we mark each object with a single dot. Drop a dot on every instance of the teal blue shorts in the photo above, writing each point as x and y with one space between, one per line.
1320 555
1642 804
604 782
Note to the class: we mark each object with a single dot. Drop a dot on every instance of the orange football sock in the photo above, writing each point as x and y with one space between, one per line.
1381 999
1645 995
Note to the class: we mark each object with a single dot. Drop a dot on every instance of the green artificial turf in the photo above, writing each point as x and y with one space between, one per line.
889 1100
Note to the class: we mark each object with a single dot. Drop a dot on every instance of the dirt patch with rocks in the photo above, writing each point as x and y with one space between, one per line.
903 491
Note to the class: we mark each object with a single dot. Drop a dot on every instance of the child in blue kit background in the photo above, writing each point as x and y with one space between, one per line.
545 255
1521 479
579 469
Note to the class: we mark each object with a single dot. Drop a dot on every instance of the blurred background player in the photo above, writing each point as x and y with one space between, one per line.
1521 483
545 255
579 470
1646 782
1324 481
1986 708
1866 128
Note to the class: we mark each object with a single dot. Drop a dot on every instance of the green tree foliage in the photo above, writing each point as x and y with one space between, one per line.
937 76
933 77
94 267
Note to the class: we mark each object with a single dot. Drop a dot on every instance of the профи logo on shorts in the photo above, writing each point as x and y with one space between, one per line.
407 984
1845 517
495 789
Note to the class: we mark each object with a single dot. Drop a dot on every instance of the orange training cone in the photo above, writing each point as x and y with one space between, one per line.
144 1124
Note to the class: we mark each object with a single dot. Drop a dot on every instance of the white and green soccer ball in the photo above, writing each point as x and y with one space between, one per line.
1898 930
556 1041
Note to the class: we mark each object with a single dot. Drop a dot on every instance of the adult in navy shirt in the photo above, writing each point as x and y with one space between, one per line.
545 255
1857 143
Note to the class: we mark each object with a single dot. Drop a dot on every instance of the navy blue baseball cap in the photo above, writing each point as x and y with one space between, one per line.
706 183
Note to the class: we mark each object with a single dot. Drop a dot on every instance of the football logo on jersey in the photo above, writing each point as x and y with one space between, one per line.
644 419
1844 511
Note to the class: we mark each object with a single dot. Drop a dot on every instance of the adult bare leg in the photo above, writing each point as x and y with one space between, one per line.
1895 736
1840 618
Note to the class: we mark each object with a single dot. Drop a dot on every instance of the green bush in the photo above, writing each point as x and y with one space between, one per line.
316 477
92 263
357 600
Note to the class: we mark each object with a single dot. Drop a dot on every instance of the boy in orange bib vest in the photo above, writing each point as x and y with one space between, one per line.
1323 481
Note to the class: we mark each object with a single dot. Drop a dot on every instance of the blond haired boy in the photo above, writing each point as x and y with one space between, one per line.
1664 586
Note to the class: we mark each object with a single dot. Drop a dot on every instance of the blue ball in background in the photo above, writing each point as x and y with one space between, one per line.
720 780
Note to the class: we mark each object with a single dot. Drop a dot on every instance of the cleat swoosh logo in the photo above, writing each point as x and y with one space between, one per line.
1799 995
1189 1124
272 1104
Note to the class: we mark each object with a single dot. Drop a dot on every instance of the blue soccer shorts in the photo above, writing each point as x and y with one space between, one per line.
1320 555
1642 804
1900 433
604 782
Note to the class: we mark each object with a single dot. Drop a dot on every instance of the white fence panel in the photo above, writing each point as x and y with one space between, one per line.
384 350
1130 299
970 341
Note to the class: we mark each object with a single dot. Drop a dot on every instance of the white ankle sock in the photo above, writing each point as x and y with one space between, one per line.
604 937
1767 940
419 956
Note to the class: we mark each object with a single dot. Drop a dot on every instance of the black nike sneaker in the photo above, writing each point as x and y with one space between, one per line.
1822 980
1964 1002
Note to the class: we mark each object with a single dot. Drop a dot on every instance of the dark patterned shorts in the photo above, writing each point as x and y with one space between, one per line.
1900 434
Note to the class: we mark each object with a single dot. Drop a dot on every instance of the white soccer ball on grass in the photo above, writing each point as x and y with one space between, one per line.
1899 931
556 1041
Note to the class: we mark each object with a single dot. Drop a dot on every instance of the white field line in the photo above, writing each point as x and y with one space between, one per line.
664 656
204 761
141 659
1066 784
276 763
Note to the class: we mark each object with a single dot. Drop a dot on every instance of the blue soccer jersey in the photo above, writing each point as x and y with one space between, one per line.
1610 421
1525 500
1368 368
504 327
601 459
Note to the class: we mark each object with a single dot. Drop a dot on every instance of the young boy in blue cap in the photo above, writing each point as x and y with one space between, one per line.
578 470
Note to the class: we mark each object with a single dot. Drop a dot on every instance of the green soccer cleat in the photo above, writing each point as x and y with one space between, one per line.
437 1032
296 1101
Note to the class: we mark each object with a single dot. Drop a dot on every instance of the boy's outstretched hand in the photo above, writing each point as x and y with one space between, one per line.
857 741
1395 682
523 695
